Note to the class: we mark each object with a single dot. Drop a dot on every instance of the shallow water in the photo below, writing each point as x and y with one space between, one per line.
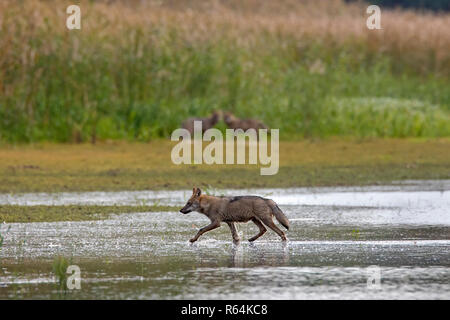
336 235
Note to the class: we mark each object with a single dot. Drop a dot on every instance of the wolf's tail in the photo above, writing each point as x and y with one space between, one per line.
279 215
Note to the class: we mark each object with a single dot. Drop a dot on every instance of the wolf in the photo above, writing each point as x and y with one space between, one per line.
244 124
236 209
207 123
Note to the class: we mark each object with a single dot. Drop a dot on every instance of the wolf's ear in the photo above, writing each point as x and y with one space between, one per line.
196 191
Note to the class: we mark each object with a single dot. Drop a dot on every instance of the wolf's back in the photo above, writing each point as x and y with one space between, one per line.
279 215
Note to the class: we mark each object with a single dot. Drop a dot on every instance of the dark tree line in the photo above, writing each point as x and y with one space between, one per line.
435 5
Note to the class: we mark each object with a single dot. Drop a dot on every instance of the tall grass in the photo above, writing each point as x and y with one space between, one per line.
59 266
136 69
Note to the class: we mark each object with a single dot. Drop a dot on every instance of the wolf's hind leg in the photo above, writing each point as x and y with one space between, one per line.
233 231
261 227
209 227
267 220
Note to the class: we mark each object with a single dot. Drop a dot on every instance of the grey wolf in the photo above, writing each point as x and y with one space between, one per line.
207 123
235 123
236 209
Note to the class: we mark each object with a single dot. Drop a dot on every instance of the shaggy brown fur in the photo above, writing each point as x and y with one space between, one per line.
235 123
207 123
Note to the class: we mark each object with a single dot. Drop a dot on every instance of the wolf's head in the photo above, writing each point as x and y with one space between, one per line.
229 118
193 203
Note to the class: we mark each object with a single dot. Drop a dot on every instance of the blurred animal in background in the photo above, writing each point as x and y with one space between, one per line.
235 123
207 123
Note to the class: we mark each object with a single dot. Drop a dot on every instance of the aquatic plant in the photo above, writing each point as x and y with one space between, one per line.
59 266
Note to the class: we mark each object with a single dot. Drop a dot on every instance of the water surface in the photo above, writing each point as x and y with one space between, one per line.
336 235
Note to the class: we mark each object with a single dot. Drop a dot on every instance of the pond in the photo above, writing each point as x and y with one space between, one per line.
339 239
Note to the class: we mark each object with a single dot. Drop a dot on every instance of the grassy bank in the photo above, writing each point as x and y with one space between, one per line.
16 213
143 166
309 68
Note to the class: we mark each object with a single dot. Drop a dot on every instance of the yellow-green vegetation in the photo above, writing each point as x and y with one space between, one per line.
136 69
59 267
144 166
16 213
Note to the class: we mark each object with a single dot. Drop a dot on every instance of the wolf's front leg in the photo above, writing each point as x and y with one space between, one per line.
233 232
209 227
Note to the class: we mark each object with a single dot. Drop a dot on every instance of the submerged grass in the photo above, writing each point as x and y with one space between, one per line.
135 71
42 213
